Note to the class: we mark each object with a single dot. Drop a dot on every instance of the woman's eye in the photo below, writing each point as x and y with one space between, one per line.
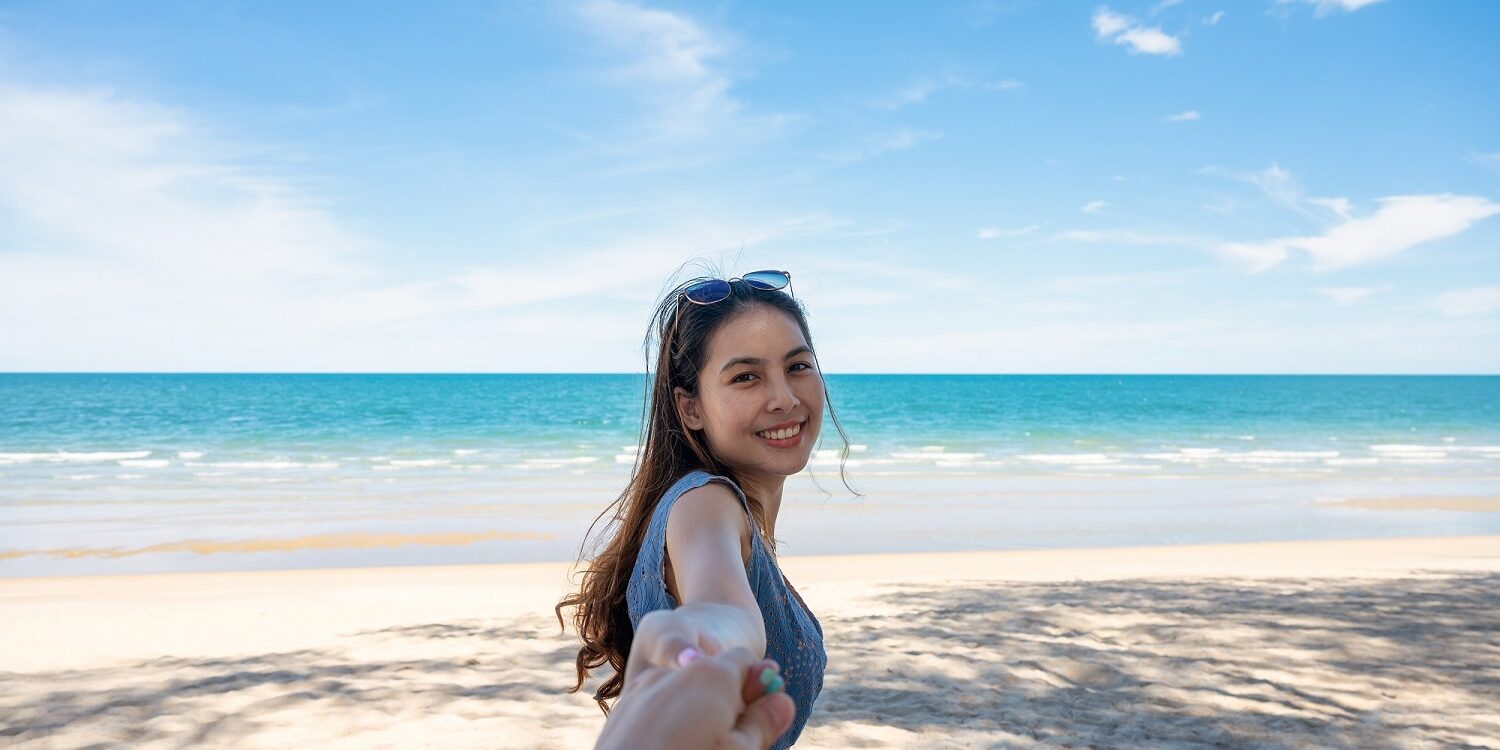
802 365
738 378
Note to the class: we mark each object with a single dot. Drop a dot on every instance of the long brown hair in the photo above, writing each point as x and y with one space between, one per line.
680 332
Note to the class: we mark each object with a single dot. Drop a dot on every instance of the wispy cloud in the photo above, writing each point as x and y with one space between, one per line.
1120 29
1214 19
1188 116
668 60
1489 160
1094 207
995 233
1346 295
874 146
1279 186
1479 300
1401 222
922 89
1325 7
1131 237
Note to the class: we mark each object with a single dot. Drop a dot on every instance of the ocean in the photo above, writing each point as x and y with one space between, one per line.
139 473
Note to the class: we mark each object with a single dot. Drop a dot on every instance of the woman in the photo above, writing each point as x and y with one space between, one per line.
688 564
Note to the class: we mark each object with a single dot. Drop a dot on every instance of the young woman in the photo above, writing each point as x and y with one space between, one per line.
688 564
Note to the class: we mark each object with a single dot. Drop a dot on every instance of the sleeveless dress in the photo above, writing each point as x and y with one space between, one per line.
794 637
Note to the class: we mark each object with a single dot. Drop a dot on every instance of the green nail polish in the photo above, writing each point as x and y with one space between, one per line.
766 675
775 685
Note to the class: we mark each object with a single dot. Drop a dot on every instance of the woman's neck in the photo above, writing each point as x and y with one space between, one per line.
766 489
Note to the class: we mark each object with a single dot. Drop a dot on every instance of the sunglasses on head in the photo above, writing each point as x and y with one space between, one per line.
709 291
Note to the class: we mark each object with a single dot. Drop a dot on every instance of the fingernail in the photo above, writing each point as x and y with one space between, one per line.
771 681
688 656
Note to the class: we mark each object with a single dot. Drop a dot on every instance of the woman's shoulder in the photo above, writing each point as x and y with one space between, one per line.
698 478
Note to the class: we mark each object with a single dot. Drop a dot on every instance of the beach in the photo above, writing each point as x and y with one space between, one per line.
1347 643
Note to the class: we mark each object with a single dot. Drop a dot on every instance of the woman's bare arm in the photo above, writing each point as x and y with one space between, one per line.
708 536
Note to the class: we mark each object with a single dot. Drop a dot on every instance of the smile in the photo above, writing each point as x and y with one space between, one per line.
782 434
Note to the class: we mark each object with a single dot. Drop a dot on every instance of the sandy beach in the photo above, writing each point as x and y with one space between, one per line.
1339 644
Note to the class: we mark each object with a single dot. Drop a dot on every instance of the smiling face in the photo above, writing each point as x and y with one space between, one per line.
760 395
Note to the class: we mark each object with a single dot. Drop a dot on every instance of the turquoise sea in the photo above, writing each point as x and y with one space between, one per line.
113 473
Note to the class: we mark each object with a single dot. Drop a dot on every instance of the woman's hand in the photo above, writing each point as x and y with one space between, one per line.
717 701
666 637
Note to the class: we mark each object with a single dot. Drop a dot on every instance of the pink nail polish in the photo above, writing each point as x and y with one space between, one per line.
688 656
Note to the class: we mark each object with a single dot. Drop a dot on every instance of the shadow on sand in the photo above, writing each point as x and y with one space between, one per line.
1406 663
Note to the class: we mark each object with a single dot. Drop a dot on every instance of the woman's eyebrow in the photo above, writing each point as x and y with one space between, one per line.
758 360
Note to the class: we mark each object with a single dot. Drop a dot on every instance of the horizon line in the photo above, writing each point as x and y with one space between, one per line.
637 373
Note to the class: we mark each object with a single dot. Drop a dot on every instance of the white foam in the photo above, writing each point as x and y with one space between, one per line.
1117 467
189 454
413 462
1069 458
936 456
858 448
465 451
624 458
150 463
630 447
71 457
1407 448
1198 451
540 462
1279 457
271 465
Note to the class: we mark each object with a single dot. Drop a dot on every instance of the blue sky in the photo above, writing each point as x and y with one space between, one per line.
1191 186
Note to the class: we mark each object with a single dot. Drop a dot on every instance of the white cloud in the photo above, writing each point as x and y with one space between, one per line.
1214 19
995 233
669 63
1401 222
1188 116
1346 295
899 140
1094 207
1324 7
1113 27
136 238
1481 300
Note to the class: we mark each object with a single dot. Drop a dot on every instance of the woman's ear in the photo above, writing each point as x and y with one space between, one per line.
688 409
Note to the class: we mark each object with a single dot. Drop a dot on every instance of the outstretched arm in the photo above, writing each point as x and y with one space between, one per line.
708 541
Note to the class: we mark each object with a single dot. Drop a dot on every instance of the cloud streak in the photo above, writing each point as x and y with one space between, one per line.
1399 224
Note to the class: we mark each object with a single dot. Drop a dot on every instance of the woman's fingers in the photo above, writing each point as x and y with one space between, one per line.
661 640
763 722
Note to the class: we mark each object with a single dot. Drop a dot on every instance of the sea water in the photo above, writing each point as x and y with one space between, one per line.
103 473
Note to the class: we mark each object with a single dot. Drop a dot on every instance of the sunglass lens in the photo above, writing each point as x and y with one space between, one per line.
707 292
766 279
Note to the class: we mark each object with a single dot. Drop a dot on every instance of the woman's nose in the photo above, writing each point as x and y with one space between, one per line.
782 397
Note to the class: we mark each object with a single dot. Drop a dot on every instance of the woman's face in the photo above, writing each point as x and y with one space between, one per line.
760 381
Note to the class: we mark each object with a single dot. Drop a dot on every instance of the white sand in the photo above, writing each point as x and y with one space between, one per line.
1370 644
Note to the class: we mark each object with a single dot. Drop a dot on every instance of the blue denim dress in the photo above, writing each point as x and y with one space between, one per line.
794 637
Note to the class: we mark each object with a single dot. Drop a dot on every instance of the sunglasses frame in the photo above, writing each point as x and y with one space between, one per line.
688 290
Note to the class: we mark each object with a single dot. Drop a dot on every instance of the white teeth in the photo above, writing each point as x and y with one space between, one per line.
781 434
